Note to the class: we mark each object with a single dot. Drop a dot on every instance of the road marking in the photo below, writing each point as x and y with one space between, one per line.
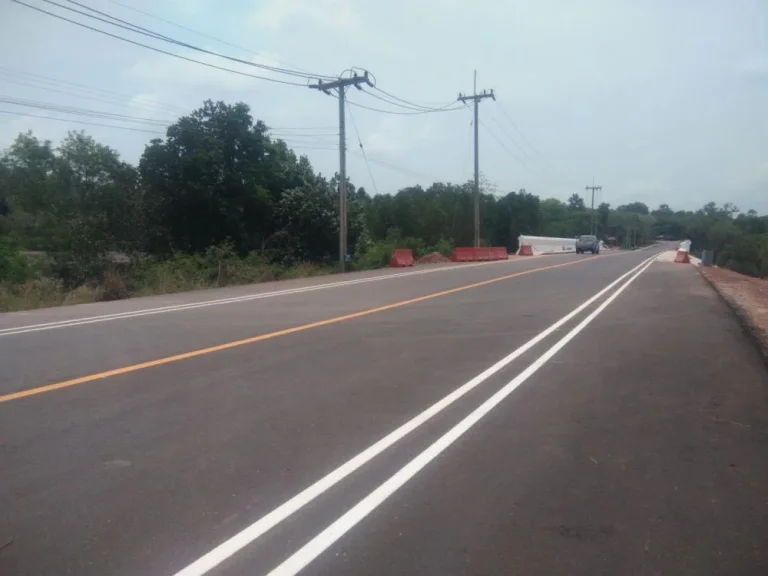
268 336
231 300
237 542
306 554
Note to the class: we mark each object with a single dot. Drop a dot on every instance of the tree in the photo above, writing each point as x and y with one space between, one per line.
634 207
603 213
576 202
215 178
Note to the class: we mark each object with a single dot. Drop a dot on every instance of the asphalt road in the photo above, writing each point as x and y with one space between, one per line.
188 433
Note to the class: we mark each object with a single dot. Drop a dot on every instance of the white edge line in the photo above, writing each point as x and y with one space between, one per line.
192 305
245 537
306 554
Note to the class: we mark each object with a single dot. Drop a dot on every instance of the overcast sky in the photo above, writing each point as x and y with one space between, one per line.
659 100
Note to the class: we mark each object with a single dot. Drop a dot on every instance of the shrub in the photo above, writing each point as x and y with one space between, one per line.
14 266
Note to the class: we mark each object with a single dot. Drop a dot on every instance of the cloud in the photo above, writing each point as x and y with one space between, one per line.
335 14
755 67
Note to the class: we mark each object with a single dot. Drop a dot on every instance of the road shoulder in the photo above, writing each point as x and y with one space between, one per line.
748 298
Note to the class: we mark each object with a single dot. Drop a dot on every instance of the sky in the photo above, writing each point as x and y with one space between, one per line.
659 101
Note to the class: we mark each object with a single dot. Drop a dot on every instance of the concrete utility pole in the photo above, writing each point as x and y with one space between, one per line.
592 205
476 98
340 86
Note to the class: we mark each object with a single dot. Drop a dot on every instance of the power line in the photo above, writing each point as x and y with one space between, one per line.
506 148
120 23
83 96
413 107
199 33
305 128
39 78
81 111
511 138
159 50
543 160
412 104
354 125
403 113
512 122
400 169
82 122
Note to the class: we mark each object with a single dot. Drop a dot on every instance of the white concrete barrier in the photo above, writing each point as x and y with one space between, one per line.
535 245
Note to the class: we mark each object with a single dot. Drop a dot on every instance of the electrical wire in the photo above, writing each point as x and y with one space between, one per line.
82 122
504 146
400 113
83 96
512 122
412 104
408 107
367 165
75 111
406 171
159 50
542 159
202 34
510 137
450 107
40 79
118 22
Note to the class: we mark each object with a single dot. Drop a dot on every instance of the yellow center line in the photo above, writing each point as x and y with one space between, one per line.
268 336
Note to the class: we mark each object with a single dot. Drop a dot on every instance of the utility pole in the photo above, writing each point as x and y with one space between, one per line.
592 206
477 98
340 86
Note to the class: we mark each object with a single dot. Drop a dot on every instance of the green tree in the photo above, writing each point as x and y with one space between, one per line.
576 202
216 177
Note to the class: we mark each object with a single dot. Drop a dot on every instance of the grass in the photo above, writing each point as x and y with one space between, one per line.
147 277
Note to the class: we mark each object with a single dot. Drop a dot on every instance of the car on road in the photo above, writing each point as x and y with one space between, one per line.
587 243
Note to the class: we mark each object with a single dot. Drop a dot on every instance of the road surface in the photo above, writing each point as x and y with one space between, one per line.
550 415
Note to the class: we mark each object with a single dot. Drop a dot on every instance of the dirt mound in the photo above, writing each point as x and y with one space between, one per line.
433 258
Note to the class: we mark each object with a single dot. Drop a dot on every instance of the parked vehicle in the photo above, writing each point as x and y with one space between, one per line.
587 243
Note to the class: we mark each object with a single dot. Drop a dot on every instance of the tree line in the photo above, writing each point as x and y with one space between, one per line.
218 200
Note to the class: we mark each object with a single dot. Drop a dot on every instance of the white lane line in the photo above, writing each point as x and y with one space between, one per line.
220 301
249 534
301 558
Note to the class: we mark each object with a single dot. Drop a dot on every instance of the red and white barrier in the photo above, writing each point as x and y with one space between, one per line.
535 245
401 258
683 249
482 254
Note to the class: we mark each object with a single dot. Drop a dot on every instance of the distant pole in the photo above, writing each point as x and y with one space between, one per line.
476 98
593 227
340 86
342 181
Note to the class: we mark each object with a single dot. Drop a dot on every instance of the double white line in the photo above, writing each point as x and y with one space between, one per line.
348 520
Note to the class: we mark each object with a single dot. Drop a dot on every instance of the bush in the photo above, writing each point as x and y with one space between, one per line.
14 266
376 255
444 246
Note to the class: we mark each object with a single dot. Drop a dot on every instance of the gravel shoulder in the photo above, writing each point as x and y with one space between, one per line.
748 297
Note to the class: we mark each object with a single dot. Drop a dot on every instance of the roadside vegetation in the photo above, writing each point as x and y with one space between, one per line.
220 202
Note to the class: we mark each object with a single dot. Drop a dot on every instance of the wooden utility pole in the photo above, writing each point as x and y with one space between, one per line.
476 98
340 86
593 229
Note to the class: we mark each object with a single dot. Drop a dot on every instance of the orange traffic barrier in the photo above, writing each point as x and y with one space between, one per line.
525 250
682 257
463 255
401 258
481 254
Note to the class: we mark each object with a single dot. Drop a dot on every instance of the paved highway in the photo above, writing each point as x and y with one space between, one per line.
552 415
